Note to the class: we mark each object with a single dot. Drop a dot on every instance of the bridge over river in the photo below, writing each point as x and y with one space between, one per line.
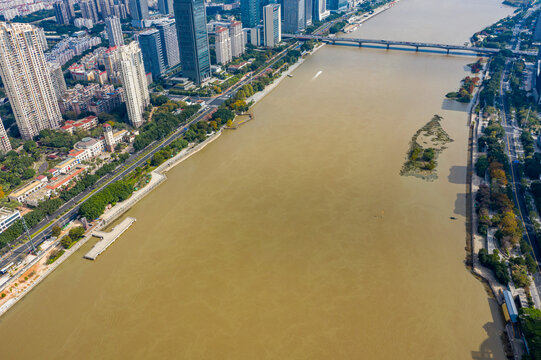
393 44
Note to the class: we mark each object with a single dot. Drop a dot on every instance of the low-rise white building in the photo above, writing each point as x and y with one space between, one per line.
7 218
21 194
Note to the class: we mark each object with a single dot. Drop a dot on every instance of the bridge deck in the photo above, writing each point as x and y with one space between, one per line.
414 44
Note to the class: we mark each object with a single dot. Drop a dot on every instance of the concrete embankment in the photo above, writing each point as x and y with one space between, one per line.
107 238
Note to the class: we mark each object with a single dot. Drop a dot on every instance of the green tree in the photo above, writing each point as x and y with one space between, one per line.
481 165
66 242
56 230
76 233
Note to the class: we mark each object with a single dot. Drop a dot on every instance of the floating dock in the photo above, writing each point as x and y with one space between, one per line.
107 238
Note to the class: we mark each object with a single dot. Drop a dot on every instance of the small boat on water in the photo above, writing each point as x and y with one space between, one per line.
452 218
289 75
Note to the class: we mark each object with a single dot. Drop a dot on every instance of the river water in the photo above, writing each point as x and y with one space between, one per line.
295 237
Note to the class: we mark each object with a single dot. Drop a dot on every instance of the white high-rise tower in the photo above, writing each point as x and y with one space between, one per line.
27 79
134 80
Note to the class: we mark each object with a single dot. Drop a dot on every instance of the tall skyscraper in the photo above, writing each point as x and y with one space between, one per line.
307 13
250 12
114 31
57 79
61 13
27 80
293 16
165 7
191 21
139 12
89 10
237 39
319 10
151 47
223 45
134 81
5 145
168 36
272 25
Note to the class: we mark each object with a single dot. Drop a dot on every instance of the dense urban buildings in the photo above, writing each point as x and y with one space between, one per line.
250 12
165 7
139 12
151 47
272 25
223 45
134 81
27 80
191 21
114 31
294 16
169 39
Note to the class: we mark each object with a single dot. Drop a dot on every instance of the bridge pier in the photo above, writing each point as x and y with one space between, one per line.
416 48
388 45
360 44
448 51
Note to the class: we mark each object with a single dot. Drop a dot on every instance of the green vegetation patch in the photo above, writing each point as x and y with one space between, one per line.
425 146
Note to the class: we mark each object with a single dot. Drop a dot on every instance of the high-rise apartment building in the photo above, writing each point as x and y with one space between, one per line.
139 12
223 45
134 81
294 16
165 7
191 22
27 80
114 31
57 79
153 54
168 36
250 12
70 9
61 13
5 145
89 10
111 62
237 39
106 8
272 25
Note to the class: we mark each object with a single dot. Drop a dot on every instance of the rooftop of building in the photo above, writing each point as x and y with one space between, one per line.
86 143
26 188
5 213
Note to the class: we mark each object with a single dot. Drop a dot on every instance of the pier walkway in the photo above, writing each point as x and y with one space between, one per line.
107 238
